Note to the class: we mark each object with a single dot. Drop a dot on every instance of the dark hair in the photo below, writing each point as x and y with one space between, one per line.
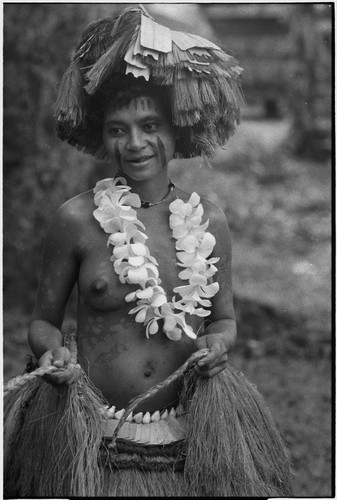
121 90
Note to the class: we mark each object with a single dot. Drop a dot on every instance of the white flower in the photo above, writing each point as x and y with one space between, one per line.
134 265
172 320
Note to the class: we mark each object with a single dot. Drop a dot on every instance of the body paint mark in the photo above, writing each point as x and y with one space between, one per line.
162 153
118 156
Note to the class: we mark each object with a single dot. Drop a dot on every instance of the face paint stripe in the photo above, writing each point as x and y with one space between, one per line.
118 156
162 153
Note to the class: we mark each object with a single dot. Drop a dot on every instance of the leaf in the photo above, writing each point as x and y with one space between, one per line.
187 41
154 36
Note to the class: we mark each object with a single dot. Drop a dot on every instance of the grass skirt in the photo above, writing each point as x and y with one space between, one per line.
53 444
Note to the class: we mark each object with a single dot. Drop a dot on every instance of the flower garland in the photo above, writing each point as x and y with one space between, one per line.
134 264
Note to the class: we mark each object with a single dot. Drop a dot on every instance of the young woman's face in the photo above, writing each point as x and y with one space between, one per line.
139 137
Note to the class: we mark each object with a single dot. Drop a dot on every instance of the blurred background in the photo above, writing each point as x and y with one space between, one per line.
273 180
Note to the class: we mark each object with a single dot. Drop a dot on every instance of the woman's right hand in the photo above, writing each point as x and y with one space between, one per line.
67 372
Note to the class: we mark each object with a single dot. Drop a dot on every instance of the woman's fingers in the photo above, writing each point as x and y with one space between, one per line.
59 357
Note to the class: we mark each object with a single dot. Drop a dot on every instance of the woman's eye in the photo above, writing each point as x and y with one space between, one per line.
151 127
115 131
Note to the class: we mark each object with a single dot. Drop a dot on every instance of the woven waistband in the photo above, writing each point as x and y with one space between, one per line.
149 457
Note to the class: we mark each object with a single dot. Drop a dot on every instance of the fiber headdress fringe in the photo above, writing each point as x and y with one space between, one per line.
203 82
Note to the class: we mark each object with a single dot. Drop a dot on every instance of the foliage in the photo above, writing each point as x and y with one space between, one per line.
39 172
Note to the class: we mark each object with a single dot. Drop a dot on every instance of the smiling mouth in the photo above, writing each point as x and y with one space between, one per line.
139 159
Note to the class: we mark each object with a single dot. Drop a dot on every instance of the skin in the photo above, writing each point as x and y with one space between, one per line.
112 347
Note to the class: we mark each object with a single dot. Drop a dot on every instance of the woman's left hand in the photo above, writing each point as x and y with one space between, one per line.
216 360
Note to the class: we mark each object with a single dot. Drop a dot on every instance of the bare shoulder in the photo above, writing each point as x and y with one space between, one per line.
77 208
75 211
72 216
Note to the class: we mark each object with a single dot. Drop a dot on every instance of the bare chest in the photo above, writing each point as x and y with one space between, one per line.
99 284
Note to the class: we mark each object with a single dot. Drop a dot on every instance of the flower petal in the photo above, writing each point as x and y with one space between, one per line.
210 290
121 252
194 199
130 297
185 274
198 279
140 317
139 249
179 231
186 258
175 220
188 243
152 327
201 312
147 293
117 238
205 302
136 261
175 206
169 323
132 199
199 210
208 241
137 275
174 334
158 300
189 332
185 209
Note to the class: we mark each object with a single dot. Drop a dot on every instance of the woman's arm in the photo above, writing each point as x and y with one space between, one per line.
220 334
58 275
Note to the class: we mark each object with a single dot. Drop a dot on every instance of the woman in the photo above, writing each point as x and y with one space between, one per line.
152 263
140 140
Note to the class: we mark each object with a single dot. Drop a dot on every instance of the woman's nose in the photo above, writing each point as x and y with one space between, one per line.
136 140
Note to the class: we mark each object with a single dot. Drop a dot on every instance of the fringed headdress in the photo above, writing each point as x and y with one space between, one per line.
202 82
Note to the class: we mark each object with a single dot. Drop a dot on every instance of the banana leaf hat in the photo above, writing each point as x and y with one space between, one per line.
201 80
